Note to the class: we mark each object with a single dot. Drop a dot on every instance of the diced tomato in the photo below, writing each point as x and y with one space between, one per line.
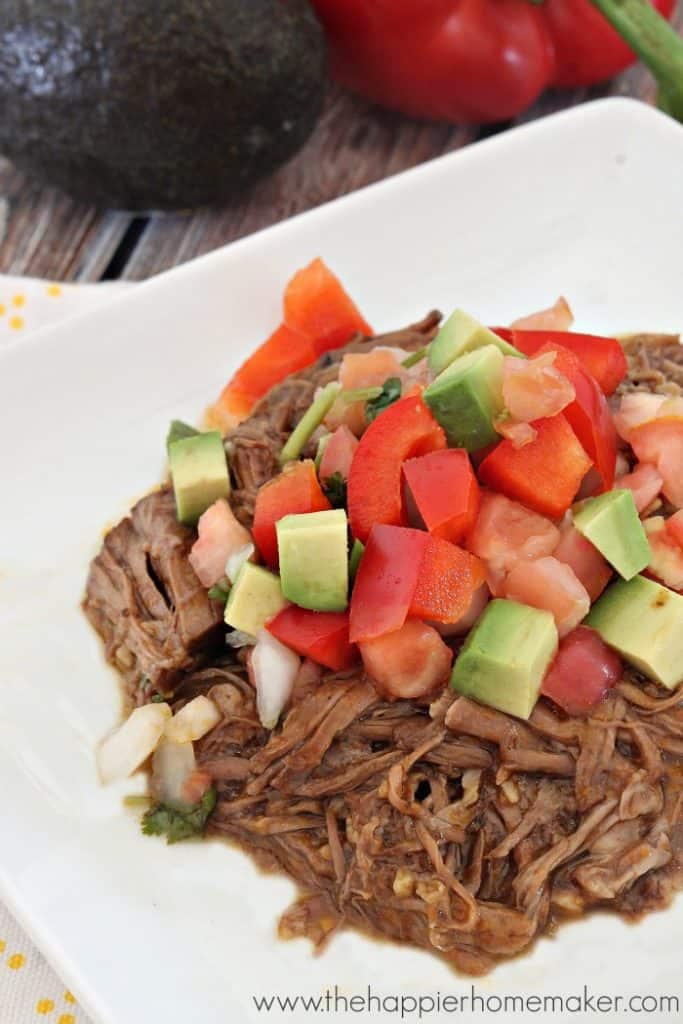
321 636
506 533
603 358
558 317
294 490
220 536
286 351
666 554
588 415
584 670
363 370
445 491
338 454
661 443
544 475
553 586
409 664
195 786
674 526
645 482
535 388
584 558
518 433
316 305
386 581
446 582
375 494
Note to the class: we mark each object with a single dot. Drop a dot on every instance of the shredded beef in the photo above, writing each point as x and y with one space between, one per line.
455 828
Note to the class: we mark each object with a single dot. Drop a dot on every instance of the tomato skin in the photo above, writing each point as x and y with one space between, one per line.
386 581
321 636
446 492
411 663
338 454
583 672
375 495
603 358
294 490
544 475
317 306
469 60
584 558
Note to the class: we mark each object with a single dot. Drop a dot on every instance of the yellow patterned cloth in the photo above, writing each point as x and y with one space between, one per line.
30 991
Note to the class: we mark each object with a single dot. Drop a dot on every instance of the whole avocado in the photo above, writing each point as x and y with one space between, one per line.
158 104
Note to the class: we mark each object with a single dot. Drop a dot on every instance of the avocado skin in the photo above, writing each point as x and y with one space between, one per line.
161 104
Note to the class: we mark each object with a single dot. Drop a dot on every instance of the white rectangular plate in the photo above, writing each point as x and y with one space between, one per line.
587 204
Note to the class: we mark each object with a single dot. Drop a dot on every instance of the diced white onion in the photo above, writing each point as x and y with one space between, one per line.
193 721
237 560
172 765
274 668
130 745
237 638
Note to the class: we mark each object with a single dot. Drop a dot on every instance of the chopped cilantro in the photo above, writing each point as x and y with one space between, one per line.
179 823
219 592
391 392
335 489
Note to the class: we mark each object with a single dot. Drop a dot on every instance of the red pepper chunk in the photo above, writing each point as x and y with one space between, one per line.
447 580
295 490
386 582
603 358
544 475
445 491
588 415
317 306
321 636
375 495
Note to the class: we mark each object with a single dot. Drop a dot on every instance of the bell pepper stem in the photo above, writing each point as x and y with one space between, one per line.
656 43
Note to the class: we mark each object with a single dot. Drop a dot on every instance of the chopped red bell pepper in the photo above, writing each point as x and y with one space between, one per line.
294 490
386 581
588 415
375 494
603 358
321 636
445 491
546 474
583 671
446 582
317 306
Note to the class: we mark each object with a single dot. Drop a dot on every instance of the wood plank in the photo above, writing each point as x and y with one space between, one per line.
44 233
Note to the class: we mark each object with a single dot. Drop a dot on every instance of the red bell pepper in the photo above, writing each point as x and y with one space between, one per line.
588 415
386 581
445 491
603 358
375 494
317 306
295 490
318 315
447 580
321 636
546 474
488 60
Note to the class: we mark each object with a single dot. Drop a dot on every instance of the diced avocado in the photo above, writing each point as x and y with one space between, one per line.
459 334
309 422
314 567
199 471
467 397
506 656
255 597
177 431
611 523
644 622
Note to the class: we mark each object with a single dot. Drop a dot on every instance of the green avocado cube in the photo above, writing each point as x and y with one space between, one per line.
644 622
199 471
459 334
612 525
255 597
506 656
314 565
467 397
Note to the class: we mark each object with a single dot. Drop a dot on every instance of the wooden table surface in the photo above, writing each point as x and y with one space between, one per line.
46 234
